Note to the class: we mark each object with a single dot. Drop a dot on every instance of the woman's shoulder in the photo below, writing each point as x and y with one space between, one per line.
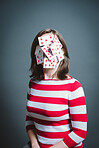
30 83
75 83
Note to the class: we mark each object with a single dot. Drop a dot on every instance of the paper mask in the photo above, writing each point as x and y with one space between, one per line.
51 47
39 55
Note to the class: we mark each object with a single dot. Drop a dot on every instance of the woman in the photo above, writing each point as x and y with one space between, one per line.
56 107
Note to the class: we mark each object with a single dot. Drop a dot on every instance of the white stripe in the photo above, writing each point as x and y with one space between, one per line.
78 109
54 82
80 125
38 116
78 144
28 91
75 137
29 123
76 94
48 140
45 128
47 106
56 94
28 113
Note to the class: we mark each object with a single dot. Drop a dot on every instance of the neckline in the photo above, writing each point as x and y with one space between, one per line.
69 77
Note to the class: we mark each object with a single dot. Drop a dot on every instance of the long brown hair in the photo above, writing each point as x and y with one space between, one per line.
37 70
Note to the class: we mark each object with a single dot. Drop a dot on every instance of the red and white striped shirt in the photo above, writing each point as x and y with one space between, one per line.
57 110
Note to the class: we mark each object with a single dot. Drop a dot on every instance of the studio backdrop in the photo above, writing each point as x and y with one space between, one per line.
78 22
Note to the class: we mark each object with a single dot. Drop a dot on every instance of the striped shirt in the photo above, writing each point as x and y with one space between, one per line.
57 110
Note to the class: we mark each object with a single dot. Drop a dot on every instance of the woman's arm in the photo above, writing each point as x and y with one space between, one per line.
30 127
33 138
78 116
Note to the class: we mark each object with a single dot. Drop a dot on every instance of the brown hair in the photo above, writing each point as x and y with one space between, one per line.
37 70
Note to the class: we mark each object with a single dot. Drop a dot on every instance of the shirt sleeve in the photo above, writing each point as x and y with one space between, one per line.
78 115
29 123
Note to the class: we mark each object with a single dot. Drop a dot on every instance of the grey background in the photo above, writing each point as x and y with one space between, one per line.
78 22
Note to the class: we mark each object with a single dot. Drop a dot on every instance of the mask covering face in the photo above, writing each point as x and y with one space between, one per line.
50 46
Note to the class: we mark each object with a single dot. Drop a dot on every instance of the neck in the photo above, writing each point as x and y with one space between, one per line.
50 73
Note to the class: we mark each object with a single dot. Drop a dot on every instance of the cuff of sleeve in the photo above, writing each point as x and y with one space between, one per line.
29 127
69 142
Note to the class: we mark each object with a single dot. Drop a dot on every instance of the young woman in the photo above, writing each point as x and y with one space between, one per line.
56 107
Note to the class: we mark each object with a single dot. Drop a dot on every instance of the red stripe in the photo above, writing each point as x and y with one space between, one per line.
29 118
53 87
80 133
77 101
43 122
44 145
48 100
53 123
69 142
78 117
46 112
69 86
52 134
76 85
30 82
28 127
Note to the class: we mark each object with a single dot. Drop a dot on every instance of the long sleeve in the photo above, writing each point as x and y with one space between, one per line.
78 116
29 123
